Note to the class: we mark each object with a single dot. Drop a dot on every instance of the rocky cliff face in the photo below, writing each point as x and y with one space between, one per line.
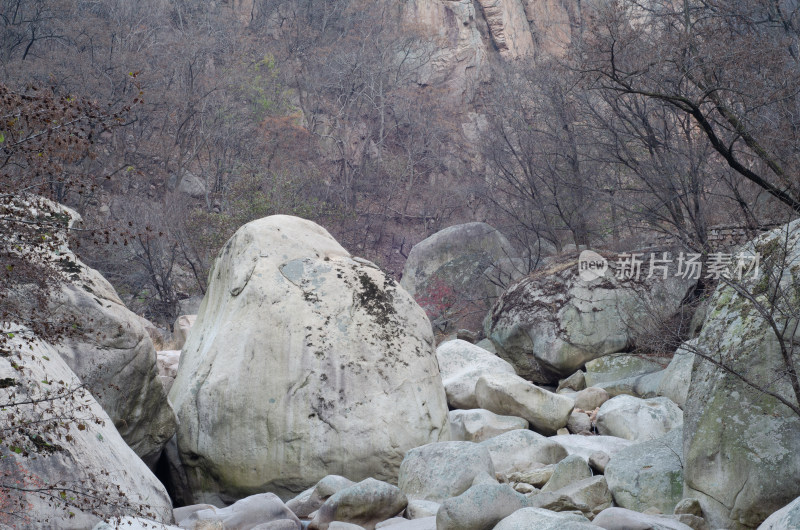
470 32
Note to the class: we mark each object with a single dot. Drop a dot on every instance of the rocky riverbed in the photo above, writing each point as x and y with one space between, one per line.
309 392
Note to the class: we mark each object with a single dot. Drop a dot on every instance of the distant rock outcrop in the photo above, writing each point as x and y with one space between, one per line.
303 362
470 32
110 349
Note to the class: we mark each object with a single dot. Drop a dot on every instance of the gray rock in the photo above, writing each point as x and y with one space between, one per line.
455 259
366 504
332 484
487 345
467 335
511 395
477 425
524 488
521 450
418 509
579 423
689 506
638 419
622 519
112 354
590 398
180 330
559 502
243 514
340 525
480 507
786 517
193 185
692 521
741 447
576 382
648 474
111 350
535 477
590 494
167 362
552 322
185 511
438 471
675 383
598 461
571 469
461 365
310 500
620 367
541 519
585 446
641 386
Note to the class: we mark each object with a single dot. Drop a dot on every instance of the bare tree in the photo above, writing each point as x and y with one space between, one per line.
732 67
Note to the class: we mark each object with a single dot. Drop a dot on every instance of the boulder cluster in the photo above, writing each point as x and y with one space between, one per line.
309 392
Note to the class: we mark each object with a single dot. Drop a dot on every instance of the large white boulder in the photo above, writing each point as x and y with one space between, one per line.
522 450
571 469
310 500
109 348
303 362
552 322
741 445
648 474
366 504
461 365
638 419
618 367
786 517
438 471
510 395
477 425
64 442
481 506
245 513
